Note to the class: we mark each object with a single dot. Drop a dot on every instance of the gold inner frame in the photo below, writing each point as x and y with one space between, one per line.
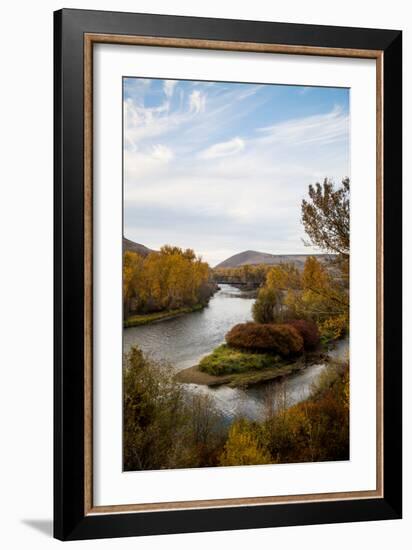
89 40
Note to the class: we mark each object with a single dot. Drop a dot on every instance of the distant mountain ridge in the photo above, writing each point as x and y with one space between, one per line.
253 257
136 247
248 257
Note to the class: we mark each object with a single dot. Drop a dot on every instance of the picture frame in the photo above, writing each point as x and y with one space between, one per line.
76 32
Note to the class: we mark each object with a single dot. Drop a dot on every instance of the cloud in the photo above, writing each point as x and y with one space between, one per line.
162 153
262 159
168 87
144 123
150 163
181 110
197 102
324 128
224 149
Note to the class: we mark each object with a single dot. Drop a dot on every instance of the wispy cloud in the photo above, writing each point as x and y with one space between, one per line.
224 149
197 102
169 86
327 128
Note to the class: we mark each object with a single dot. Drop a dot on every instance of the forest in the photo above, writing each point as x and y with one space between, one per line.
171 280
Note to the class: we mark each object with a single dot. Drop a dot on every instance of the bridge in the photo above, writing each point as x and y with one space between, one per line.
236 282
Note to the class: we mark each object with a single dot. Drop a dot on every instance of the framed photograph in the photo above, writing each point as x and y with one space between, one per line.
227 274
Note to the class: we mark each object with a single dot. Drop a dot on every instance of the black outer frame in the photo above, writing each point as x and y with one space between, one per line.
70 522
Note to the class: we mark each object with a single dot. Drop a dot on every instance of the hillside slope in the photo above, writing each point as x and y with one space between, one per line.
253 257
136 247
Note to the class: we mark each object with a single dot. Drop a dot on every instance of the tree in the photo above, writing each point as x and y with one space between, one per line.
162 426
153 413
316 293
325 217
267 305
169 279
132 278
242 447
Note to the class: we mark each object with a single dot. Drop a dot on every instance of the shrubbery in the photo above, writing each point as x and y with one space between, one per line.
319 293
311 431
227 360
166 427
309 332
243 447
334 328
282 339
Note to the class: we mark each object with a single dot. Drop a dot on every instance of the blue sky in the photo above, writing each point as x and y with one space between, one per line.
222 167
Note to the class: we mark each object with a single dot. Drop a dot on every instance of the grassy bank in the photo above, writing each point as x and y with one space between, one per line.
145 319
227 360
240 368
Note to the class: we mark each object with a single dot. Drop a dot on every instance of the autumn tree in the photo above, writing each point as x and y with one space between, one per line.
325 217
314 293
242 447
267 306
162 427
132 278
169 279
249 275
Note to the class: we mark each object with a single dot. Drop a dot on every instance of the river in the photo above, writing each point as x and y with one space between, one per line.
184 340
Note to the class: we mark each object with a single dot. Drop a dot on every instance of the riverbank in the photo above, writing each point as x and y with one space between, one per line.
193 375
245 379
148 318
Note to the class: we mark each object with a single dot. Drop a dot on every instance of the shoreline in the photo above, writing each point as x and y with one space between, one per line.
157 317
193 375
149 318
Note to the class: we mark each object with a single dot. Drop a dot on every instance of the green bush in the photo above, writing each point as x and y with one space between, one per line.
282 339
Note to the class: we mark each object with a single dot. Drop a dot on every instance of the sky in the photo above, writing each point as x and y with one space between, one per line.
223 167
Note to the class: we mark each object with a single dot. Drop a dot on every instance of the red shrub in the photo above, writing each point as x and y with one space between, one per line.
309 332
282 339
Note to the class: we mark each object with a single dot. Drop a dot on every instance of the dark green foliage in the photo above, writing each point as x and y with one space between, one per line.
282 339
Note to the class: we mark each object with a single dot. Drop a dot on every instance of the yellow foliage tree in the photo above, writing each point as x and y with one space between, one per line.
132 278
169 279
316 293
242 447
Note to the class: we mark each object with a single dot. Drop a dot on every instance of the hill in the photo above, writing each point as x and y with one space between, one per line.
253 257
136 247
